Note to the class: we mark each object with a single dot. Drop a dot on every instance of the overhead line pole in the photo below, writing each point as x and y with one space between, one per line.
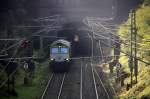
135 45
134 64
131 50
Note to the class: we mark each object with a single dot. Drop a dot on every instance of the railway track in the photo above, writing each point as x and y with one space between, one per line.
89 89
95 85
72 83
54 86
64 85
103 84
83 81
101 87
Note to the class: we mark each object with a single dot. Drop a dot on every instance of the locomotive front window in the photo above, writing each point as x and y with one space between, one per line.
64 50
54 50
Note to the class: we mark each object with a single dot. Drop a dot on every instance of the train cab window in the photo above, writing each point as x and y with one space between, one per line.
54 50
64 50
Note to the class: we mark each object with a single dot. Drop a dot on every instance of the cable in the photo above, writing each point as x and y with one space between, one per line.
117 41
128 54
123 51
106 29
14 55
99 77
114 34
3 83
35 33
101 50
42 30
15 52
6 44
23 39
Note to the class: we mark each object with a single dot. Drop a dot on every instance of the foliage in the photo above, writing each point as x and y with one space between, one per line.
35 89
38 84
143 32
146 2
142 88
124 61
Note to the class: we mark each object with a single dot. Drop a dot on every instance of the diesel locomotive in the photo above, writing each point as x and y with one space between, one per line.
60 55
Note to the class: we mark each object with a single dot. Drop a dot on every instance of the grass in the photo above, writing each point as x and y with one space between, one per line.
139 90
35 88
142 88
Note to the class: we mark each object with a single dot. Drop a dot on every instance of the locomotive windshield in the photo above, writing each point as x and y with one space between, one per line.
54 50
64 50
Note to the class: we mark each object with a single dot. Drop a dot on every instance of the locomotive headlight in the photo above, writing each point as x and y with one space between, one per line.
67 59
52 59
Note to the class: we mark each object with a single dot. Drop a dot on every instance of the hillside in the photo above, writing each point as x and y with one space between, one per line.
141 90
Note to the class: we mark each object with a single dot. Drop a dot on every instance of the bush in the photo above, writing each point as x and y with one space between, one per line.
146 2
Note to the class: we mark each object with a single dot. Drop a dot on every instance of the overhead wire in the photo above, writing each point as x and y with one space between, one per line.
35 33
108 29
4 82
110 32
97 73
14 53
122 51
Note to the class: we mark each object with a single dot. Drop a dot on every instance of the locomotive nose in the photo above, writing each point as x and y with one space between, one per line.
59 58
